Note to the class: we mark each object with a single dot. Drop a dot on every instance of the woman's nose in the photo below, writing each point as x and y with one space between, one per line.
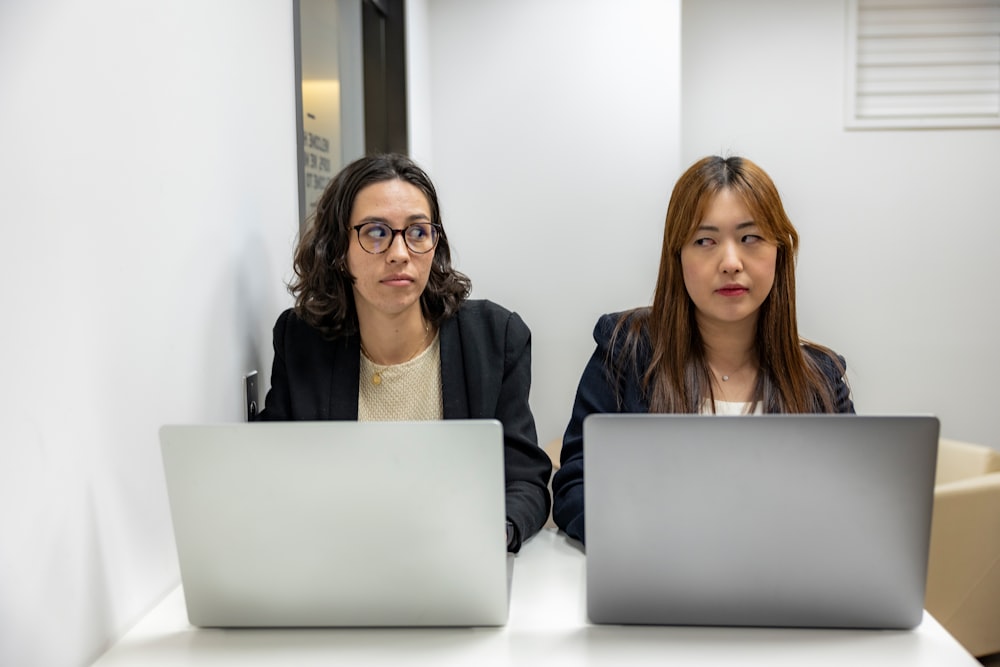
731 261
397 250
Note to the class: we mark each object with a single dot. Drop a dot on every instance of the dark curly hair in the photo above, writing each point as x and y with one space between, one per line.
323 285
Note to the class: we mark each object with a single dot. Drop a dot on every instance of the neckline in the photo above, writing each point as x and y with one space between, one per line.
412 360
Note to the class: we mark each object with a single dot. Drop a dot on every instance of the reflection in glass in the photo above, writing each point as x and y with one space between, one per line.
331 94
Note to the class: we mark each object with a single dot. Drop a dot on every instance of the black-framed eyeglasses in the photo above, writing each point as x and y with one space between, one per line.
377 237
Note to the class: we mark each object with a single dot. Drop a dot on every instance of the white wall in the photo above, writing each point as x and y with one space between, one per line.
552 134
147 213
899 229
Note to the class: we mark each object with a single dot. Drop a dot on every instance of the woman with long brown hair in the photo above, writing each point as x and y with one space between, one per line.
721 335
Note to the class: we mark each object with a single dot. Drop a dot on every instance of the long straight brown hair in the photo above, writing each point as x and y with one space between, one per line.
677 378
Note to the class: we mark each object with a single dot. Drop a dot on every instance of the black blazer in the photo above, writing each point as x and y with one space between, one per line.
485 374
596 394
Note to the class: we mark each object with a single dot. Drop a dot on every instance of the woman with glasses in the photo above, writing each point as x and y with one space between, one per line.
382 328
721 335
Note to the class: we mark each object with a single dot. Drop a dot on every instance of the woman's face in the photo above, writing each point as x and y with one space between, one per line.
728 265
389 283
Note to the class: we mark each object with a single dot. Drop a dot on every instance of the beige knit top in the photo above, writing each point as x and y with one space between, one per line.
410 391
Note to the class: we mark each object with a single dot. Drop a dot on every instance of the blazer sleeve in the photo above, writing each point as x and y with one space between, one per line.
527 466
836 373
486 374
842 389
277 402
596 393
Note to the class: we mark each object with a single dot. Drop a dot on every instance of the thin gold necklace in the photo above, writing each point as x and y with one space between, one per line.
377 375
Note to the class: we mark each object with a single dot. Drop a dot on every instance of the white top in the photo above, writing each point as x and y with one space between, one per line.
547 626
731 408
410 391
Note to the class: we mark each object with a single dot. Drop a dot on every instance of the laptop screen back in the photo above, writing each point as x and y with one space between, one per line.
339 523
776 520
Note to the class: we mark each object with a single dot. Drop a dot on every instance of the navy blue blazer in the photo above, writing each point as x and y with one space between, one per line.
597 394
485 374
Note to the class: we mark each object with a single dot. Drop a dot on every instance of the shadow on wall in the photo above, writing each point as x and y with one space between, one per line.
244 313
49 535
96 601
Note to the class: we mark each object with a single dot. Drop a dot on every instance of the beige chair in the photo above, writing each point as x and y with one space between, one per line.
554 448
963 579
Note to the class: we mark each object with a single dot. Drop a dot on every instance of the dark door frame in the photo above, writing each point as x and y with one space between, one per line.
384 40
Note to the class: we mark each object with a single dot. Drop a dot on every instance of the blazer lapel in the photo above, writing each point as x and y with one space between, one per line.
345 369
453 391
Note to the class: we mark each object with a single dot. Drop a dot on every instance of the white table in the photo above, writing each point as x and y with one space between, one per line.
547 626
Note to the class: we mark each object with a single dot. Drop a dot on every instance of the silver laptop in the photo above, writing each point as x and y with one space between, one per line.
339 523
781 521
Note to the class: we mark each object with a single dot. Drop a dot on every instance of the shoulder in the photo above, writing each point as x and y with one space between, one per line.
605 327
481 315
833 365
487 336
292 329
833 368
289 323
614 331
482 309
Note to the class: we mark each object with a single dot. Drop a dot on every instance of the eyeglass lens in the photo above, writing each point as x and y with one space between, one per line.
377 237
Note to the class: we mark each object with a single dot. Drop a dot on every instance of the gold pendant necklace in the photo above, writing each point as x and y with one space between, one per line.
377 374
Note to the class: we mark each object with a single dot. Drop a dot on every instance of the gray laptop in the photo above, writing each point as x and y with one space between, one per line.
781 521
339 523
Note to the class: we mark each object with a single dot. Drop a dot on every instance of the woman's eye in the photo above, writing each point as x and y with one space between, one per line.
752 238
416 232
377 232
704 242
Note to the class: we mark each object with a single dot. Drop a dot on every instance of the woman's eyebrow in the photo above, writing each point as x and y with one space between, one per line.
411 218
713 228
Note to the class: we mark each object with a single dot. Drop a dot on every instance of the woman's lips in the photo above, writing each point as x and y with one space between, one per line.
397 281
732 290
